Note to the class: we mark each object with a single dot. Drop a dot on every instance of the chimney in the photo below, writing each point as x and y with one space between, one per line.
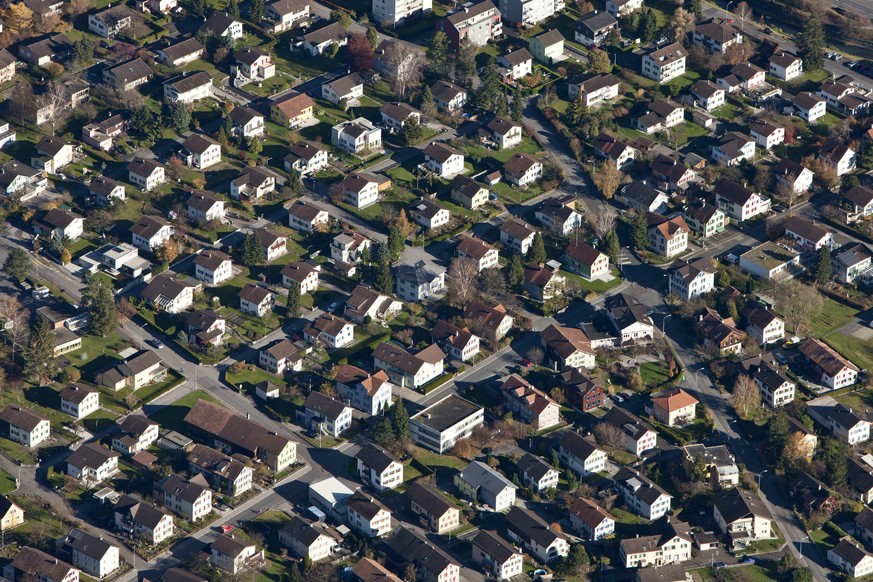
248 416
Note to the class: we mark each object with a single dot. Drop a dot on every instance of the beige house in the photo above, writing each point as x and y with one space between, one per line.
674 407
435 512
10 514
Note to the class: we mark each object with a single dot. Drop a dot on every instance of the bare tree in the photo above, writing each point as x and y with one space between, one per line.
535 356
746 396
607 178
608 435
14 321
405 63
744 13
461 281
603 221
53 104
21 101
682 23
797 302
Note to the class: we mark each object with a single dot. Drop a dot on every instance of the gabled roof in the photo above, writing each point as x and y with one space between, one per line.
368 570
441 152
534 466
528 526
305 211
293 105
520 164
217 23
551 37
578 446
199 144
324 405
495 546
672 400
566 341
594 22
480 476
376 457
517 229
21 417
736 504
182 49
689 270
589 513
184 489
331 32
91 455
446 91
230 545
406 546
517 57
344 85
40 565
429 499
164 286
732 192
133 70
824 357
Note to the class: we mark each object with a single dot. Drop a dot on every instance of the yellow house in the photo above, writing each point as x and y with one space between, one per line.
10 514
292 111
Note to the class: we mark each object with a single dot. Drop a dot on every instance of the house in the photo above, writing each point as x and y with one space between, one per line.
860 478
434 511
776 390
378 468
660 114
522 170
252 184
221 25
583 394
293 110
395 12
478 23
110 22
486 486
593 28
580 454
142 520
739 202
838 156
305 158
356 136
42 52
529 404
202 151
720 332
674 407
321 39
843 423
24 426
665 64
491 323
845 96
91 554
233 554
547 47
559 217
669 543
717 35
732 148
206 328
689 279
504 133
809 107
542 283
235 434
439 426
516 64
145 174
517 235
138 370
253 65
330 496
247 123
836 371
717 461
766 134
644 497
188 88
284 15
11 515
612 148
417 282
457 343
100 135
349 246
567 347
667 236
164 293
639 195
707 95
349 88
764 325
537 474
213 267
128 75
623 8
307 217
852 261
365 302
741 77
497 556
770 261
20 179
203 207
192 499
224 472
859 203
368 516
793 176
395 114
324 414
78 401
33 564
468 192
59 224
312 541
405 369
443 160
807 237
586 261
8 134
92 463
541 541
448 96
742 516
851 559
52 154
137 433
332 331
590 521
785 66
638 437
594 91
407 548
255 300
181 53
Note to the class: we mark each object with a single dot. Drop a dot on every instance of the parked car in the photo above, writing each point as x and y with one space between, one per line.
748 560
157 344
732 258
662 40
768 30
618 398
780 357
527 363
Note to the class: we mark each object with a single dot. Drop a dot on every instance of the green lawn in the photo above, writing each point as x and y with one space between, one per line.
437 462
727 112
7 482
654 373
764 572
856 351
172 416
500 157
252 377
831 317
598 286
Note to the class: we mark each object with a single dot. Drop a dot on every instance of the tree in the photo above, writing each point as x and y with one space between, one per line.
599 61
607 179
558 395
12 317
179 116
515 272
537 253
438 53
251 250
39 358
426 104
83 51
744 13
461 281
396 241
576 562
360 53
836 458
373 37
384 280
811 43
18 17
517 104
343 17
412 131
490 86
294 301
17 265
53 104
613 248
383 432
198 8
295 183
746 396
682 23
125 309
795 452
404 63
167 252
648 25
797 302
233 9
462 448
465 62
640 230
608 435
695 7
823 267
254 145
400 421
100 300
256 11
535 356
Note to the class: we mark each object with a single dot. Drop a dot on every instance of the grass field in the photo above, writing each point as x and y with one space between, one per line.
831 317
858 352
654 373
172 416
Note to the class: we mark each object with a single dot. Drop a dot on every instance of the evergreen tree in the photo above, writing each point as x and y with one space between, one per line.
724 278
777 431
438 53
198 8
294 301
490 86
517 104
694 6
39 357
366 256
373 37
648 27
383 432
537 252
613 248
823 267
396 241
295 183
811 43
294 574
412 131
100 300
384 280
17 264
641 231
233 8
251 250
256 12
426 97
179 116
400 421
515 272
836 457
502 107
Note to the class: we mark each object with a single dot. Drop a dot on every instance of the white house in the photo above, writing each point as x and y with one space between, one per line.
786 66
429 214
255 300
516 64
333 332
581 455
766 134
689 279
851 559
497 556
356 136
324 414
213 267
543 542
840 157
188 88
836 371
590 520
24 426
305 158
145 174
379 468
764 325
739 202
78 401
487 486
443 160
203 207
204 152
741 515
522 170
92 463
192 499
307 217
665 64
644 497
279 356
368 516
732 148
517 236
776 390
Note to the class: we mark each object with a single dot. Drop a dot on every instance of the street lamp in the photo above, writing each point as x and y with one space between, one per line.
727 8
801 547
664 321
696 381
759 478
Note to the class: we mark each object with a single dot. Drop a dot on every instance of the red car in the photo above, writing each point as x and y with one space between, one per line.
526 362
227 528
731 20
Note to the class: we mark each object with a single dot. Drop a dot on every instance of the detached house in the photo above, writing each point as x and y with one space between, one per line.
360 189
221 25
408 370
707 95
202 151
206 328
435 512
667 236
225 473
190 499
674 407
370 393
852 261
468 192
364 302
851 559
644 497
487 486
395 115
409 548
567 347
690 279
516 235
213 267
252 184
558 216
807 236
368 516
247 123
129 75
111 21
439 426
660 114
538 474
764 325
145 174
739 202
503 132
548 47
638 436
52 154
92 463
669 544
312 541
639 195
792 175
732 148
542 283
595 91
766 134
284 15
580 454
522 170
348 247
443 160
188 88
324 414
492 323
836 371
479 252
379 468
496 555
234 554
590 521
776 390
142 520
529 404
349 89
253 64
293 110
358 136
33 564
181 53
785 66
742 516
809 107
448 96
319 40
858 201
417 282
301 275
305 158
593 28
137 434
720 332
255 300
332 331
665 64
168 294
526 528
306 217
140 369
457 343
716 34
59 225
204 207
838 156
92 554
515 65
586 261
611 148
78 401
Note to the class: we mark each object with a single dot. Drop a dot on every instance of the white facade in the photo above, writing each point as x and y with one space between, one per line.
393 11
